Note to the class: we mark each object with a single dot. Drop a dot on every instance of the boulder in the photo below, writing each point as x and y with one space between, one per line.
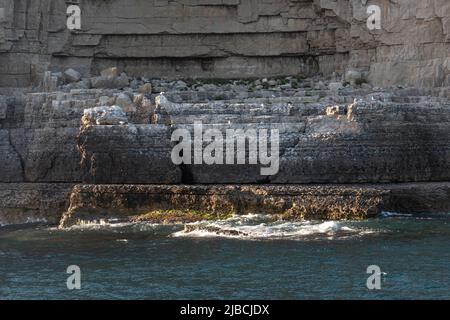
110 82
104 116
180 85
72 75
146 88
110 72
124 101
106 101
354 77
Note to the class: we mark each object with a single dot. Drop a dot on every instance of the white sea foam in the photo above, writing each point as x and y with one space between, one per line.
29 220
99 224
117 225
250 226
264 227
387 214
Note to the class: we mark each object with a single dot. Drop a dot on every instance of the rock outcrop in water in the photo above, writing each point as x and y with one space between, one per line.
93 141
191 203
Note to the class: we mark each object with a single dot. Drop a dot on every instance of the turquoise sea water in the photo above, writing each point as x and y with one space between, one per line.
241 258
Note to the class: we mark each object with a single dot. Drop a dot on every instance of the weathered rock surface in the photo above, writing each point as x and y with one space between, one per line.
227 39
72 75
374 142
39 132
110 72
110 82
334 126
377 139
127 154
113 115
162 203
3 107
330 133
22 203
89 202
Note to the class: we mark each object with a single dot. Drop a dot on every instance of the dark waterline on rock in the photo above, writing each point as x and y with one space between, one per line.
248 258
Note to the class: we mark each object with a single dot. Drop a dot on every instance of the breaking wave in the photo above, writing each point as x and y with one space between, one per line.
387 214
264 227
28 220
245 227
113 225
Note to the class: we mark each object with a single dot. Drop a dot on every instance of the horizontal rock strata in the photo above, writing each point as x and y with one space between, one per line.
22 203
127 154
346 151
363 115
228 39
376 139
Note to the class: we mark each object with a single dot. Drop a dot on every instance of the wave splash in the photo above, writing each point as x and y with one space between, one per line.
245 227
264 227
123 227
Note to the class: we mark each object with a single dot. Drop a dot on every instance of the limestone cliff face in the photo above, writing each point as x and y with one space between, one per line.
388 148
345 152
373 140
228 38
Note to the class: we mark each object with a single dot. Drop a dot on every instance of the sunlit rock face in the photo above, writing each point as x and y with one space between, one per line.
353 151
228 39
354 106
